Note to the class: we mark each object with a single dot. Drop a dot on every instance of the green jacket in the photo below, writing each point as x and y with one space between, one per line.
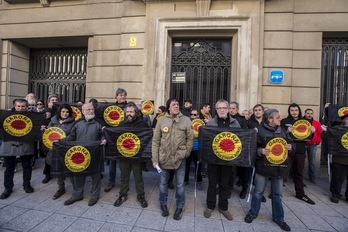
172 141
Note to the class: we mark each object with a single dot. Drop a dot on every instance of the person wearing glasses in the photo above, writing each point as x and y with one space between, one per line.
220 174
40 106
194 157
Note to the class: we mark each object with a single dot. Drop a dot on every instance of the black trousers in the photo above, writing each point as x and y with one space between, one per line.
193 157
339 174
10 168
218 175
297 164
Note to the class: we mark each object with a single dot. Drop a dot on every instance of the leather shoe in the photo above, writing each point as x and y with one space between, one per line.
93 201
28 189
58 194
165 211
242 194
46 179
178 214
6 193
71 201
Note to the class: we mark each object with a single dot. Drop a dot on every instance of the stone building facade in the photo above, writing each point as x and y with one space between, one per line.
129 44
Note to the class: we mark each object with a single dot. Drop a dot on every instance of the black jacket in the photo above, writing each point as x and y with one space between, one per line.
252 122
265 133
138 122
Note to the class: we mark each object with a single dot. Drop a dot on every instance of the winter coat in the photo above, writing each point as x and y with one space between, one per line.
264 134
172 141
85 131
317 133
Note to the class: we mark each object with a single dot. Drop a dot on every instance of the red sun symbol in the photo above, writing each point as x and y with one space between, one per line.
196 126
277 150
78 158
114 115
18 124
128 144
227 145
147 107
301 128
74 114
345 112
53 136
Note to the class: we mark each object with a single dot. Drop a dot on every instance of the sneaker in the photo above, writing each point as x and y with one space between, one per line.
5 194
199 186
306 199
263 199
226 214
120 200
283 226
248 218
46 179
164 210
178 214
313 180
242 194
207 213
334 199
28 189
109 186
142 201
58 194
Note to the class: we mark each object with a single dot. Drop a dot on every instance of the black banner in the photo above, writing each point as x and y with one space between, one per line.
21 126
128 142
76 158
336 111
337 139
227 146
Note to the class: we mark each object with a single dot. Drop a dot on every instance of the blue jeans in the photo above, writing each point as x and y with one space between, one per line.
311 152
112 171
180 187
276 188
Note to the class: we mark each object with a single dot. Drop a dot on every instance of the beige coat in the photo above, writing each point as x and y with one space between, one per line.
172 141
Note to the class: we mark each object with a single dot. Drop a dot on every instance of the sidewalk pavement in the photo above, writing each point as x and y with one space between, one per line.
39 212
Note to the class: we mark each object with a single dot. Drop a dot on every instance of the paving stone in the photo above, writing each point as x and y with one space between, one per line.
233 226
208 224
185 224
151 220
125 215
339 223
55 223
27 220
99 212
85 225
112 227
10 212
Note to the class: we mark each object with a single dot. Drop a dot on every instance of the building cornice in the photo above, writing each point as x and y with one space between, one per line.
43 2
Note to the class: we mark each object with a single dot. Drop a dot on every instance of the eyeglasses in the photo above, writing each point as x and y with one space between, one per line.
221 108
39 104
193 114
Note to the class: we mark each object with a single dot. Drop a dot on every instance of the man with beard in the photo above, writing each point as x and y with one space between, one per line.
298 159
311 146
220 174
86 129
128 164
31 101
121 101
171 144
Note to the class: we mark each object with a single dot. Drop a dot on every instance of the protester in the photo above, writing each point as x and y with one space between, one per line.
121 101
132 119
86 129
220 174
194 157
40 106
187 108
298 159
10 149
31 101
339 170
268 130
64 120
172 143
311 146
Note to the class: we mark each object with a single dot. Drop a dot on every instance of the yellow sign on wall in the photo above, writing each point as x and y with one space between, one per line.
132 41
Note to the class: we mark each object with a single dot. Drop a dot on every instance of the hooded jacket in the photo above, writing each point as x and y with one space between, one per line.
172 141
264 134
300 145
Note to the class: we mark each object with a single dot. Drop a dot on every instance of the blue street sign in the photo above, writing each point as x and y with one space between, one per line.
276 76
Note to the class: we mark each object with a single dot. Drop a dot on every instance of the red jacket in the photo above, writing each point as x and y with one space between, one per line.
317 133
